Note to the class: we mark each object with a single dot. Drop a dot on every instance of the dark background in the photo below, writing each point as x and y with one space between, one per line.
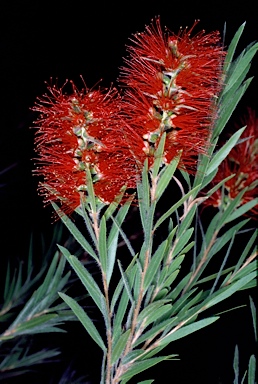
65 40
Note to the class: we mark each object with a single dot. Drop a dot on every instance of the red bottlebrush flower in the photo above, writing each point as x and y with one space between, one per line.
78 131
243 162
173 81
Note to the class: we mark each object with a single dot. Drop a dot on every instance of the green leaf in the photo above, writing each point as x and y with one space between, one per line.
158 156
230 208
124 237
221 269
143 365
228 108
209 178
212 277
241 65
180 286
32 326
123 303
250 267
130 272
155 330
112 240
84 319
43 289
19 357
246 250
217 186
137 281
232 47
165 177
203 162
226 237
179 304
157 315
126 282
252 370
187 330
171 277
91 198
186 177
229 290
253 312
118 221
114 205
103 244
120 346
85 277
81 210
132 355
111 256
242 210
174 207
236 365
75 232
148 311
143 192
182 241
175 264
187 221
222 153
154 264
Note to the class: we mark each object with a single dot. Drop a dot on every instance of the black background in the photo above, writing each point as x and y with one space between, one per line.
65 40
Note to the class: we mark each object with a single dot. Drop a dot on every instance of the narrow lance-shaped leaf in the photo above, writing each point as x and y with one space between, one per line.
161 325
157 315
229 290
91 195
232 47
154 264
242 210
227 236
146 382
174 207
187 330
245 58
236 365
103 244
147 311
224 151
143 194
252 370
143 365
120 346
84 319
229 107
253 312
118 221
217 186
182 241
85 277
75 232
114 204
245 252
166 177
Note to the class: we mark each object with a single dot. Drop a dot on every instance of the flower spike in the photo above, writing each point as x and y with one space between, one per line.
78 131
171 84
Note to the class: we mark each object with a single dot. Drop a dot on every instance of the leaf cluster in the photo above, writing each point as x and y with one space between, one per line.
32 306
